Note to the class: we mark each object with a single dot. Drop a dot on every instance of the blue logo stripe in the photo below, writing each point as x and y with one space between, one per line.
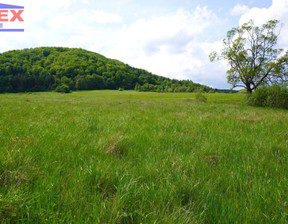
11 30
4 6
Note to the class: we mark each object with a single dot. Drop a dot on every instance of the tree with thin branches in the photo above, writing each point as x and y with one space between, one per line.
253 57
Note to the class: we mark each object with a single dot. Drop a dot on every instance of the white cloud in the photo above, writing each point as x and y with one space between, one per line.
239 10
104 17
278 10
168 45
56 3
164 27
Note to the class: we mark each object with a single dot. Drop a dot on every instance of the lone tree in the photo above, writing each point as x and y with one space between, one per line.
254 61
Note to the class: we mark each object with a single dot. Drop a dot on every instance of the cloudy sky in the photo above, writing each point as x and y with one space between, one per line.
171 38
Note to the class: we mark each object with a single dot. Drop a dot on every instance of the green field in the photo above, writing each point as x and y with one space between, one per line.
130 157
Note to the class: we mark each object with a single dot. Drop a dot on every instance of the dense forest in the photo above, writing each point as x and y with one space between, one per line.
50 68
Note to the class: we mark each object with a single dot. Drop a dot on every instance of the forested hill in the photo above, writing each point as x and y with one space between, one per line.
46 68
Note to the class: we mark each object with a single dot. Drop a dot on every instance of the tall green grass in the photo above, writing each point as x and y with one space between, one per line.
130 157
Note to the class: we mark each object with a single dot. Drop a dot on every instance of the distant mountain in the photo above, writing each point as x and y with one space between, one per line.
46 68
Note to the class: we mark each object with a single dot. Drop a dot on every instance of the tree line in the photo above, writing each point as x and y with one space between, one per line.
46 68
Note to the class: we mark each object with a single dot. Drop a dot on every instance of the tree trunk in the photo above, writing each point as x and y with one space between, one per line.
248 88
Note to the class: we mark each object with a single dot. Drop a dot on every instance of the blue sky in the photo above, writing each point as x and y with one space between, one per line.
171 38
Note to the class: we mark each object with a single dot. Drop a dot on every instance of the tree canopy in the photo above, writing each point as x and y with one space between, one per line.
46 68
253 57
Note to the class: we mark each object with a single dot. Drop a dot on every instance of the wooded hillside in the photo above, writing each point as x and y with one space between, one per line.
46 68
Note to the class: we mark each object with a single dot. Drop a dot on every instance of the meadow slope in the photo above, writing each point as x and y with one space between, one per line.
130 157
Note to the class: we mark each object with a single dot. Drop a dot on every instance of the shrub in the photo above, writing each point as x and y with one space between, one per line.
121 89
63 88
273 96
201 98
242 91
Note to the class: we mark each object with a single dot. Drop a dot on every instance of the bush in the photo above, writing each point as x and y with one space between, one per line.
273 96
201 98
242 91
63 88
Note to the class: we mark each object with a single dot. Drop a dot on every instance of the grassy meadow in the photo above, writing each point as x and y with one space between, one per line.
130 157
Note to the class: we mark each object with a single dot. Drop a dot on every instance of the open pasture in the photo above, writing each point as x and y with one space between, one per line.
132 157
